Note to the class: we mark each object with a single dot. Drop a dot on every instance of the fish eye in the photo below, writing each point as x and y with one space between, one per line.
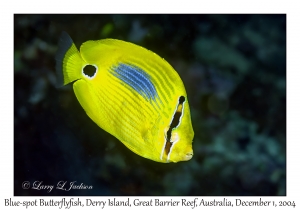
89 71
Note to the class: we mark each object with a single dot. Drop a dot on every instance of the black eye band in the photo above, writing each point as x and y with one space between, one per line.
174 123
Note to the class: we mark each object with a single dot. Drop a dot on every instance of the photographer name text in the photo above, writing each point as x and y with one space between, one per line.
61 185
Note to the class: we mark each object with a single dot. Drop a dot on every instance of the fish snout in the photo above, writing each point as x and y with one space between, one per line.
188 155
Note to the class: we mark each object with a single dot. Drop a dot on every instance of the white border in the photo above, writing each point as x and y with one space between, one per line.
8 8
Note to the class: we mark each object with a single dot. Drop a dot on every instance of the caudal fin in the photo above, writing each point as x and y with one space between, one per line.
68 61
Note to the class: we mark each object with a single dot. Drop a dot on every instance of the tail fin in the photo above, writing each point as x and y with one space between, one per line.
68 61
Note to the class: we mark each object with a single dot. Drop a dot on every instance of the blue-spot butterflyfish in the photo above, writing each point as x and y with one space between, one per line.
132 93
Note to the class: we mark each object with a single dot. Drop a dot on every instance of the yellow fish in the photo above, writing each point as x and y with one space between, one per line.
131 93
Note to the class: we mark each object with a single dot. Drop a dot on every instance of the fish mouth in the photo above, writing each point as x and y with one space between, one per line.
188 156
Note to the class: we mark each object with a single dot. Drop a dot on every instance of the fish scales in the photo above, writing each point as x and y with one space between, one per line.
125 124
155 77
125 120
130 98
162 83
157 74
123 115
136 100
140 83
132 102
108 108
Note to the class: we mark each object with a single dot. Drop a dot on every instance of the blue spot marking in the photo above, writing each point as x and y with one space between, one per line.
137 79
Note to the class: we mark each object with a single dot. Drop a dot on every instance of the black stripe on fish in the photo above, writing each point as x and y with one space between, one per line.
174 123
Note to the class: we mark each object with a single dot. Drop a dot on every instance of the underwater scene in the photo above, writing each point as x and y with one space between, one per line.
218 125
